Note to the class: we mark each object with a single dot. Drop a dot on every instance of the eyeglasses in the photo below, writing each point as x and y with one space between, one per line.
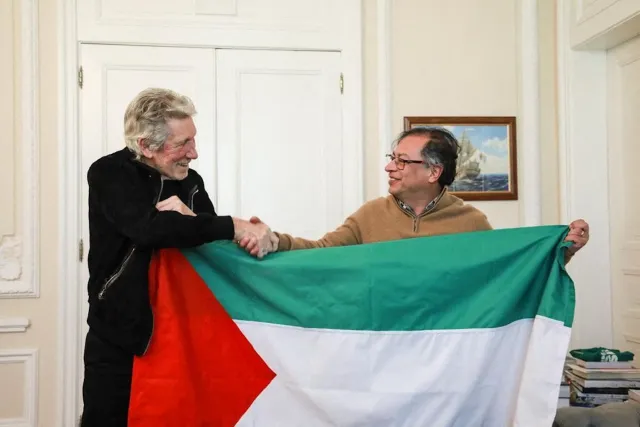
401 163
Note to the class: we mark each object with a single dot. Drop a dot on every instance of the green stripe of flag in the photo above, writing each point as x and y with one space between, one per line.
459 281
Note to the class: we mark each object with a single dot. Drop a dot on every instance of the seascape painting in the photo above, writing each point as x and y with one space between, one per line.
486 168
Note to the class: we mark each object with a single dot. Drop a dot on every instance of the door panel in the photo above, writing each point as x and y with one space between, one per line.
301 24
280 138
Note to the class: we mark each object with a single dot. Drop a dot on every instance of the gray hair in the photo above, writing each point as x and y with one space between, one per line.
147 114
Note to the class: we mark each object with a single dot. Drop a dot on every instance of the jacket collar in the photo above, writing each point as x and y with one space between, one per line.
131 157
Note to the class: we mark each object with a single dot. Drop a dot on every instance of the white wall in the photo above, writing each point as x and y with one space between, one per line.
446 61
460 57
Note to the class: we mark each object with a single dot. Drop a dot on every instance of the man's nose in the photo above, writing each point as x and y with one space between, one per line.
192 153
391 166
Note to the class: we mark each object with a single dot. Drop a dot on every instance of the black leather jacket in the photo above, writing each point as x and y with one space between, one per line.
125 228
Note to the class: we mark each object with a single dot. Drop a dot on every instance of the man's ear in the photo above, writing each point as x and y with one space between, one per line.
144 148
434 176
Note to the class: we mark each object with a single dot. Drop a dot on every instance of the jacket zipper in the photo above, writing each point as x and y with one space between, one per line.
117 274
192 194
416 218
159 192
153 323
126 260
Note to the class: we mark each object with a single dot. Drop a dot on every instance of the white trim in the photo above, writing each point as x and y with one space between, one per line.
69 320
604 24
584 182
71 291
353 107
13 324
384 88
29 358
97 25
529 120
563 40
25 249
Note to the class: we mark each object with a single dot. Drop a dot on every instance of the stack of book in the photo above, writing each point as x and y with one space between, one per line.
596 383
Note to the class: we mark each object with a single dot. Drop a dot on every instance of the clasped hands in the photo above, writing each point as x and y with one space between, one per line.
255 237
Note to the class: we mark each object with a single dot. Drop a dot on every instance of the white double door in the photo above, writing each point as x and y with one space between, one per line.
269 127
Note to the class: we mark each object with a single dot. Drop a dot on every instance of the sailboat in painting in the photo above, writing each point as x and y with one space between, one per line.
469 176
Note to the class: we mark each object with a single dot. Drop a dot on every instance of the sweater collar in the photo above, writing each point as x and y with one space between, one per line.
432 204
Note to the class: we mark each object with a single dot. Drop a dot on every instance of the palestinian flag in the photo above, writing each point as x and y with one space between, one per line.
460 330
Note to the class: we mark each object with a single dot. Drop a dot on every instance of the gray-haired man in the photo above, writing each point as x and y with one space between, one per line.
142 198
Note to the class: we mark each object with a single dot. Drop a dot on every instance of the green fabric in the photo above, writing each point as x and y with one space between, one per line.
484 279
601 354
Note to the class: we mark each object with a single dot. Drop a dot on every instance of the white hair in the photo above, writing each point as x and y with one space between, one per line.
147 114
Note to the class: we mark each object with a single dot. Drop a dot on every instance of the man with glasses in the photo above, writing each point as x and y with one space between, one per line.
421 167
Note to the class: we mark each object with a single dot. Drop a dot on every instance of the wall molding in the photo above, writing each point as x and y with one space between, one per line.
563 50
69 313
13 324
604 24
529 115
632 338
592 9
29 358
582 126
19 254
385 121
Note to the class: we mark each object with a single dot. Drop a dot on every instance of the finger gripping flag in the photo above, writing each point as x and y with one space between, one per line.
462 330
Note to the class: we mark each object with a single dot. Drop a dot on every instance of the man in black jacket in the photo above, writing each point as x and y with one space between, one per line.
142 198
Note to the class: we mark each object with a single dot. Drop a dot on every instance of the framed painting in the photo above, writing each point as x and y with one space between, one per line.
487 159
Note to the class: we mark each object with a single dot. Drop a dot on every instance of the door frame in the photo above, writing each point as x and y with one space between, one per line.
71 179
584 169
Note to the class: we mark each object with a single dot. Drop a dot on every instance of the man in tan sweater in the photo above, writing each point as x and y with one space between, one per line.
421 167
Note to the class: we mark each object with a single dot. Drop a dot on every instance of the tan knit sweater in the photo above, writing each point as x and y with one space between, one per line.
384 219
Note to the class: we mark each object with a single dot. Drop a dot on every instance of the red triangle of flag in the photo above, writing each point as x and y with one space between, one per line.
200 370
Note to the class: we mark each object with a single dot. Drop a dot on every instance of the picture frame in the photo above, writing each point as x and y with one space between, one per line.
487 161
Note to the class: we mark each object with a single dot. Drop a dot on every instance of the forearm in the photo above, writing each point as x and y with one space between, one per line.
343 236
567 256
174 230
290 243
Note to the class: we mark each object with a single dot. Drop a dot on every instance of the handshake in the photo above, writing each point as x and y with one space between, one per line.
255 237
